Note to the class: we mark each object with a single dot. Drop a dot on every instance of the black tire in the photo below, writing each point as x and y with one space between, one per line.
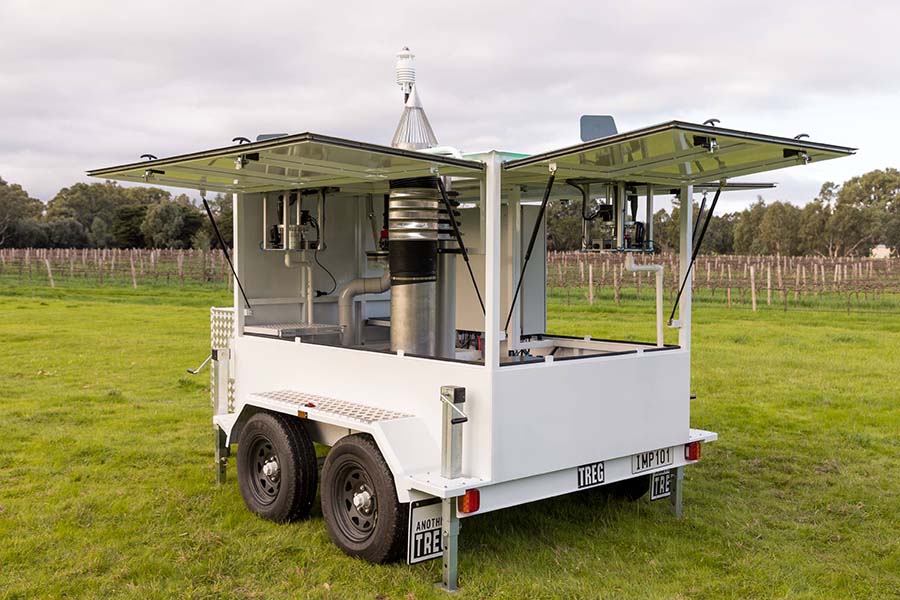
374 531
288 491
628 489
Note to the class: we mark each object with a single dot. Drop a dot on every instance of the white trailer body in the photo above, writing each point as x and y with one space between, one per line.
544 415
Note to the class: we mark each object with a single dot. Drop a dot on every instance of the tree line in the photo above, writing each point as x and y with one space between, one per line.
843 220
106 215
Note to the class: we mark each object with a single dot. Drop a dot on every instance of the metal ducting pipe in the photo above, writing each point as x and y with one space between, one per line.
448 248
413 216
363 285
446 301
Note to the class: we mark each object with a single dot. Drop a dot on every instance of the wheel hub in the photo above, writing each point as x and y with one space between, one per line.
271 470
363 501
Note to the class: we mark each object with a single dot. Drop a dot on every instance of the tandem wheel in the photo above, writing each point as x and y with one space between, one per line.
277 468
359 501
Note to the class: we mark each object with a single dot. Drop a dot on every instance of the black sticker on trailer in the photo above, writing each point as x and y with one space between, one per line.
424 538
590 475
661 485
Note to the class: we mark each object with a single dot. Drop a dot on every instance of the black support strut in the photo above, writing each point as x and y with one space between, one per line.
459 240
696 250
224 247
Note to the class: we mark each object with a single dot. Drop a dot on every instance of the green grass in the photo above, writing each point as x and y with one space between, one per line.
106 470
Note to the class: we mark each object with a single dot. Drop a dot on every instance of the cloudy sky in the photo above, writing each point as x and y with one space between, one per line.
90 84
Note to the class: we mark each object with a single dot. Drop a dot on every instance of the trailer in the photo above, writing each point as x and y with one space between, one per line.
390 306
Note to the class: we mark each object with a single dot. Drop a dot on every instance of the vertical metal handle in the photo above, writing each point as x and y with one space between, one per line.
453 418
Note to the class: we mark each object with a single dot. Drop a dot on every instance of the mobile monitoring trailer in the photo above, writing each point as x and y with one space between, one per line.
390 304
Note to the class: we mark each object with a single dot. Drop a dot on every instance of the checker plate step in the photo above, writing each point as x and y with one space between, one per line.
342 408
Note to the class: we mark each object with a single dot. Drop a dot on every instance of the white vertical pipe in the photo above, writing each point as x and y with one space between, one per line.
237 238
620 215
310 289
265 221
650 216
514 245
660 331
490 200
320 218
659 271
686 247
286 215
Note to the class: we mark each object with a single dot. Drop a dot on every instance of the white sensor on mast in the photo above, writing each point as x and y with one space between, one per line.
405 70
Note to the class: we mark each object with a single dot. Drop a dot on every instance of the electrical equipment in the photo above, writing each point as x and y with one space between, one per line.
610 220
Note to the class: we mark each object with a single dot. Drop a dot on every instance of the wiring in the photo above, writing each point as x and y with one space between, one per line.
584 202
315 223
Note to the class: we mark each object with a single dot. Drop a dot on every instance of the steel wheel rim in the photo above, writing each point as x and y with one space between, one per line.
356 520
264 483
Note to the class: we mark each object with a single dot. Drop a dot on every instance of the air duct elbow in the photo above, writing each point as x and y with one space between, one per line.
357 287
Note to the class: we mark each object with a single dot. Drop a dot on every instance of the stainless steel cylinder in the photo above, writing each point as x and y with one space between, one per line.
413 216
446 301
414 318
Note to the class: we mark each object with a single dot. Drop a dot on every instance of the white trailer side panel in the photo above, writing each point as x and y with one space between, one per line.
562 414
384 380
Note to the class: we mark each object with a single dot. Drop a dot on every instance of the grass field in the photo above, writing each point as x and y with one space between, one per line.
106 470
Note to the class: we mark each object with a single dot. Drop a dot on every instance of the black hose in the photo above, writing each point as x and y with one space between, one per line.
584 201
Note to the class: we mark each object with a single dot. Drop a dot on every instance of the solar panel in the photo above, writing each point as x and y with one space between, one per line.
305 160
672 154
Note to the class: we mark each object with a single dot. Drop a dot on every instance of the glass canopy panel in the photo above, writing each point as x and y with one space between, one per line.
672 154
306 160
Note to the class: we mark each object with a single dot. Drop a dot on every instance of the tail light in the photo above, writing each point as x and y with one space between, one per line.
469 502
692 451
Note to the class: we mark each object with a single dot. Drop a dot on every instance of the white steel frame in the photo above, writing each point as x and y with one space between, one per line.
496 400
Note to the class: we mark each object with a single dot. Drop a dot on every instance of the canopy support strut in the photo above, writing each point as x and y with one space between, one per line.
224 247
534 232
687 204
459 240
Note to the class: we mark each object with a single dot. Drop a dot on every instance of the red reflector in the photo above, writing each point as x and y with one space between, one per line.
692 451
469 502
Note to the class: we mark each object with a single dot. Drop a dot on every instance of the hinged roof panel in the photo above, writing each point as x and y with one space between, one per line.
306 160
673 154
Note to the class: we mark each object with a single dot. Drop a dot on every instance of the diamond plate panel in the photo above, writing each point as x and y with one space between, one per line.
221 326
221 330
343 408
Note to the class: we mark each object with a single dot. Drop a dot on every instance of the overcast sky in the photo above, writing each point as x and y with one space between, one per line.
87 84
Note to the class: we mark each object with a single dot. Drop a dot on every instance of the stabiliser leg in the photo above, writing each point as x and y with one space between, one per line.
676 498
453 398
450 537
222 451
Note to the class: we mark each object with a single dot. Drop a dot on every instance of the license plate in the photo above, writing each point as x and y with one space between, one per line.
661 485
424 541
591 474
647 461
